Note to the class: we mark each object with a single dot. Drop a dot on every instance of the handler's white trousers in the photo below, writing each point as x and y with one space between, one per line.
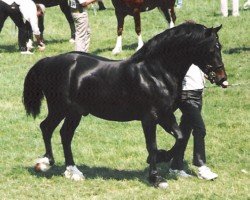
224 8
82 39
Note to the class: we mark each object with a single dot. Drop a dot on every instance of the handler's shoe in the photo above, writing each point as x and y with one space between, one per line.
180 173
205 173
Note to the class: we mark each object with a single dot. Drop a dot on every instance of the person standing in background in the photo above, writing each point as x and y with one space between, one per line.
80 16
22 12
179 3
224 8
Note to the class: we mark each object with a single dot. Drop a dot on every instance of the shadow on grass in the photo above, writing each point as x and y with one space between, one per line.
109 173
236 50
8 48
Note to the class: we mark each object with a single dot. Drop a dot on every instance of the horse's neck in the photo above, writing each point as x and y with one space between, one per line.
177 67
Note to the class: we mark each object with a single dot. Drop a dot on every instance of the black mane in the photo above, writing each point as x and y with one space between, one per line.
178 38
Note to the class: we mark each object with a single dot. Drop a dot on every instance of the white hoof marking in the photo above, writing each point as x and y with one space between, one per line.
163 185
73 173
42 164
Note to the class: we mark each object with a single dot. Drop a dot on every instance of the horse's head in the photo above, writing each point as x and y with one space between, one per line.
210 59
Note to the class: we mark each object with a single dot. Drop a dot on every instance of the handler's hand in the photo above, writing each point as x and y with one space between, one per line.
41 46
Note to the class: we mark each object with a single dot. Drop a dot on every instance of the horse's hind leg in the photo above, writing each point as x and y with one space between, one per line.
67 131
48 126
149 129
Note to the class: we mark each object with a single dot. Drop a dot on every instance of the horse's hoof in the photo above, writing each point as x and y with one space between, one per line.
73 173
163 185
42 164
171 24
158 181
116 51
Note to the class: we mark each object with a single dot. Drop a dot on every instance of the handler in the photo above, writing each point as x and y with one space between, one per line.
192 122
22 12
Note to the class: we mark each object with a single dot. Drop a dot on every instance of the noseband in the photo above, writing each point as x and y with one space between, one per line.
211 72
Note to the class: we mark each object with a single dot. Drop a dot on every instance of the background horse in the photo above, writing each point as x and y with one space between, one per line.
144 87
133 8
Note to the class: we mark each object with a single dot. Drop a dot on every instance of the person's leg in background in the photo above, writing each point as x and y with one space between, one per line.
82 31
235 8
224 8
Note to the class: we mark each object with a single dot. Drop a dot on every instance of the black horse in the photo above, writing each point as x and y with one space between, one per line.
133 8
144 87
64 8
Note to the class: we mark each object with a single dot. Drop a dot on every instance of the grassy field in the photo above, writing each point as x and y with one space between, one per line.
112 155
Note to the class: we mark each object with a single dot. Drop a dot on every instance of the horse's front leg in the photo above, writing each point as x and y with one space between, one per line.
172 17
149 128
137 20
67 132
120 22
169 124
169 15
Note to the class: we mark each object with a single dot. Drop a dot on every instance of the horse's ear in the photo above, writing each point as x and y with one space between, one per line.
216 29
208 32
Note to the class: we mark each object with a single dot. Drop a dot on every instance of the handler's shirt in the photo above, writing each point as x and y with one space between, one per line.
194 79
29 12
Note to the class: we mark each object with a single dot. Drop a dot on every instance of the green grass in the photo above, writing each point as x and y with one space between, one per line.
112 155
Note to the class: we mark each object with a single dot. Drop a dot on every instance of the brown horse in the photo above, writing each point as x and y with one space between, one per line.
133 8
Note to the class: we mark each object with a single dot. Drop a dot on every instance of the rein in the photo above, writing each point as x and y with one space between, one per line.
230 85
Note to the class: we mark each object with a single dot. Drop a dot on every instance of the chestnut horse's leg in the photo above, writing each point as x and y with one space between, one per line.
172 16
67 131
137 19
120 22
149 129
168 10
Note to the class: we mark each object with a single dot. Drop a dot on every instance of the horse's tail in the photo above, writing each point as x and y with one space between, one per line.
32 93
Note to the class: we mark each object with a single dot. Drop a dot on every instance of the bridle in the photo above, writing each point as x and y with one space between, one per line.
211 73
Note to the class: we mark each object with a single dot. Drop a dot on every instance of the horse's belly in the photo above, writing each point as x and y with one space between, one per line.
115 113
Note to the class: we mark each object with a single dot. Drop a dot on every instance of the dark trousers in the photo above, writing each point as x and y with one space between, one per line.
14 13
192 122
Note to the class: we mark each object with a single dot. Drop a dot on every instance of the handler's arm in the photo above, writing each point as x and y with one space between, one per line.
85 3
